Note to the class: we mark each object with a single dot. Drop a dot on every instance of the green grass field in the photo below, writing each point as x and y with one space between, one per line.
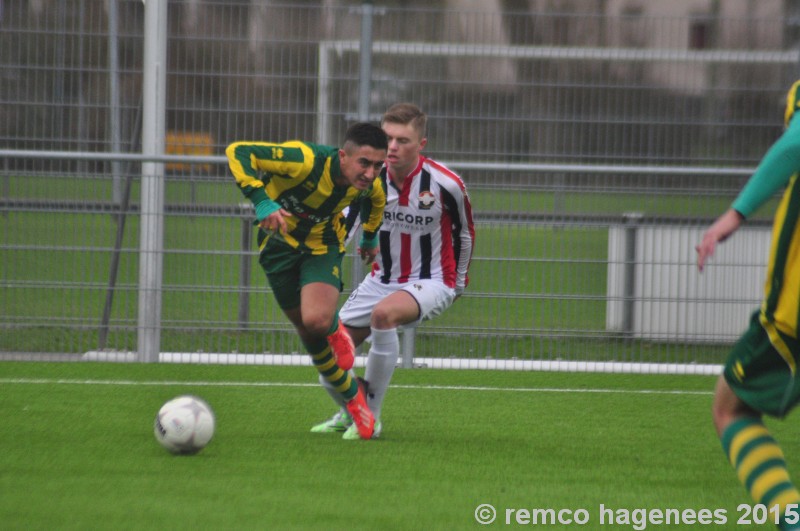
78 450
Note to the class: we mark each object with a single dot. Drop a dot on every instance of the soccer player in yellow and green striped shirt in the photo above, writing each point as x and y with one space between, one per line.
760 375
299 191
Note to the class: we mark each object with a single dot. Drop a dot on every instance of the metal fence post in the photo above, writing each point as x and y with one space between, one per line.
151 240
365 64
632 221
407 347
114 125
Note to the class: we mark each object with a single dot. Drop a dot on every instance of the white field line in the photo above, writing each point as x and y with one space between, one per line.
62 381
430 363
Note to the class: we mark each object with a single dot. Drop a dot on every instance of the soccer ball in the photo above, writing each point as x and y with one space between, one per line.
184 425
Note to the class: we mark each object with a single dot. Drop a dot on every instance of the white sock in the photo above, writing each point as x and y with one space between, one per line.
381 361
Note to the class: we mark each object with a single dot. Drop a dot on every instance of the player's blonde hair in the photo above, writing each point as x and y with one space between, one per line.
407 113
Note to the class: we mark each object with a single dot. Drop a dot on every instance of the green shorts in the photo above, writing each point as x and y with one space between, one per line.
759 375
288 270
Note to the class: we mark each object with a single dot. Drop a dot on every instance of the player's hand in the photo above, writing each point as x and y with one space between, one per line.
705 249
719 231
367 255
275 222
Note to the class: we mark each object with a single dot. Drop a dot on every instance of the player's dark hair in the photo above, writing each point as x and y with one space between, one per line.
407 113
366 134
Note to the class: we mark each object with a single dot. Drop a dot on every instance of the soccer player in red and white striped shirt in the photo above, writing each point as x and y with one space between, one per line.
425 243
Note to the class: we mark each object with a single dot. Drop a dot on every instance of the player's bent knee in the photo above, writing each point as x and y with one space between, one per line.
721 418
385 316
721 407
317 325
381 318
728 407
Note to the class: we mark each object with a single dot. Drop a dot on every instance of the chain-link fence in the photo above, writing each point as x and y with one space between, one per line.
595 139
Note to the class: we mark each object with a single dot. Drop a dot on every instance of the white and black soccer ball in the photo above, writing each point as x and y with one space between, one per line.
184 425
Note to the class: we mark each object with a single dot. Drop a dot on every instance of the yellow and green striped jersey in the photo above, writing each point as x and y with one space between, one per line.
301 178
780 309
781 305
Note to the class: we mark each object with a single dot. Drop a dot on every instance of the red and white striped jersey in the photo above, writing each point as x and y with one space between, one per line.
427 229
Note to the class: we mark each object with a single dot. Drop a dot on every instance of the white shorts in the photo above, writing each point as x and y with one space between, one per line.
432 296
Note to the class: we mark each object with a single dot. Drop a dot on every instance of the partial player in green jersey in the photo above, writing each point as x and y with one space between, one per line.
299 191
760 375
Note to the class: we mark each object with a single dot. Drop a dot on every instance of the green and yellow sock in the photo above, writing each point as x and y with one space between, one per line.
323 359
760 464
335 324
